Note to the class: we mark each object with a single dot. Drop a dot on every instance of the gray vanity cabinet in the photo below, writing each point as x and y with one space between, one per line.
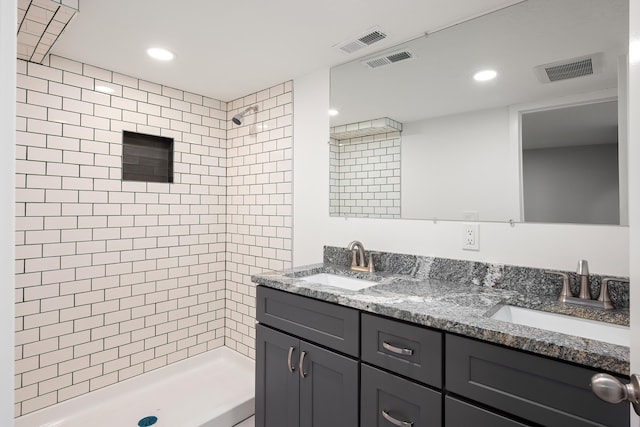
533 388
320 364
300 383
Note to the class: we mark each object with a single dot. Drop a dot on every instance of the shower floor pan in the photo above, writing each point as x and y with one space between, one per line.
214 389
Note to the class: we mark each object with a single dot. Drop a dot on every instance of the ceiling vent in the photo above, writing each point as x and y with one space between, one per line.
363 40
388 59
569 69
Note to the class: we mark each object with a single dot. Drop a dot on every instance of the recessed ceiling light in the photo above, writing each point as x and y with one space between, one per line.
104 89
160 54
333 112
484 75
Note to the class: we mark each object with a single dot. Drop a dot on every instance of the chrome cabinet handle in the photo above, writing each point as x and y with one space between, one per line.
397 350
289 365
609 389
302 373
396 422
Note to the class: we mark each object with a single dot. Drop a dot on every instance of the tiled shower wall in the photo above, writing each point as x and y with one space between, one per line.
259 191
118 278
365 176
114 278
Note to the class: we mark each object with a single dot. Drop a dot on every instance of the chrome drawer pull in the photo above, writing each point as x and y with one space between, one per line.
289 365
397 350
395 422
302 373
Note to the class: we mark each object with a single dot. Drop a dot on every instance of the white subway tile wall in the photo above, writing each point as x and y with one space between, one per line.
116 278
40 23
365 176
259 204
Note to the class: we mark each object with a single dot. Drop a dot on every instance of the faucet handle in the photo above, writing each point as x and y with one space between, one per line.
370 263
604 297
566 287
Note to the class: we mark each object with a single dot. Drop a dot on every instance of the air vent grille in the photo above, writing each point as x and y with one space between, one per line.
375 63
399 56
569 69
390 58
363 40
372 37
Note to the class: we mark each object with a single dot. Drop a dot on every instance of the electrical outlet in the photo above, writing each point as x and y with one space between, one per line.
471 237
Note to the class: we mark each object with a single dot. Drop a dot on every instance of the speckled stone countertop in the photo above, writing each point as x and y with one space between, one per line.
461 307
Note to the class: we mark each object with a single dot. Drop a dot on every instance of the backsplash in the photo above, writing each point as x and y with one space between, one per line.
527 280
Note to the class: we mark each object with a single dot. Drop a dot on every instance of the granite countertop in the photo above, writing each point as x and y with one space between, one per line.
463 309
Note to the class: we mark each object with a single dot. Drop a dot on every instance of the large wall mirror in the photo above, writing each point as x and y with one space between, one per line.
417 137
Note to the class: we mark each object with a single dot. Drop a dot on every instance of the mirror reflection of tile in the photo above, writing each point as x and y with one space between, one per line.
365 169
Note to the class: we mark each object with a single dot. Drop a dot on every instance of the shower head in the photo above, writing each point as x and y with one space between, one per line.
237 119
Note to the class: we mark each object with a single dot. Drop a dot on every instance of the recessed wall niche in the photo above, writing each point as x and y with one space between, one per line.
147 157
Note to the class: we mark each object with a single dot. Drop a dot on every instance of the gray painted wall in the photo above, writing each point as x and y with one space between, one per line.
571 185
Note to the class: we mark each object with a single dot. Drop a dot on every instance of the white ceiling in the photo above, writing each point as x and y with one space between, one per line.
229 49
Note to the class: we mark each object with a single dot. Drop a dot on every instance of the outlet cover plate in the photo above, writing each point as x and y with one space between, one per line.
471 236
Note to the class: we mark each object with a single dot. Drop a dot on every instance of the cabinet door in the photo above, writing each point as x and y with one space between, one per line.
388 400
329 388
277 388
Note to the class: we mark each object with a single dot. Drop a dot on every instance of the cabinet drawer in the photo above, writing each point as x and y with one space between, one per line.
544 391
387 400
412 351
459 414
321 322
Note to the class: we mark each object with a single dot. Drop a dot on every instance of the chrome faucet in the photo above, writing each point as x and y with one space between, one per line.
357 257
584 296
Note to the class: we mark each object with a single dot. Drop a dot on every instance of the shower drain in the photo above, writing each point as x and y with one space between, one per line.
147 421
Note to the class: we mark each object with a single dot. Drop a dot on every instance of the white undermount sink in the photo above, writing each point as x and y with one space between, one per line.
338 281
586 328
